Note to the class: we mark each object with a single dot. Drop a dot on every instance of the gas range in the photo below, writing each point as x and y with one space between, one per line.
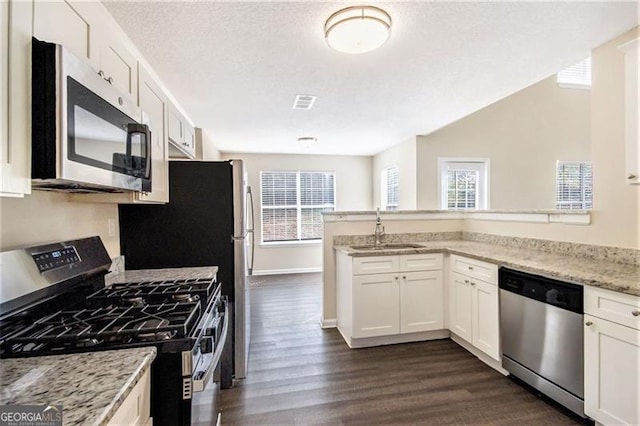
64 307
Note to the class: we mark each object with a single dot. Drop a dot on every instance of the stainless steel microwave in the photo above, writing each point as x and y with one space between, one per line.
87 136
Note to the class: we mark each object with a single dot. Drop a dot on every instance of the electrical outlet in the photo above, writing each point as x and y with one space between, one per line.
112 227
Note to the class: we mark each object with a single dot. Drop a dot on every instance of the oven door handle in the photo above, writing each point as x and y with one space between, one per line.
201 384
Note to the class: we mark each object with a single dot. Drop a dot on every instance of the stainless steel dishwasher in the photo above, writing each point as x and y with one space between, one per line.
542 335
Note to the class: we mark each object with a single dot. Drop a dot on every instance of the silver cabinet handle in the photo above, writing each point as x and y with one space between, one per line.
588 323
470 268
396 278
635 313
466 281
472 283
110 80
631 176
101 73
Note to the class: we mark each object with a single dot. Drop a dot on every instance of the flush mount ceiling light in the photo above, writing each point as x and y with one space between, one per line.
357 29
307 142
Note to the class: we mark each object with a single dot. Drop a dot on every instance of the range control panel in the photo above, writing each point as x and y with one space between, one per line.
56 258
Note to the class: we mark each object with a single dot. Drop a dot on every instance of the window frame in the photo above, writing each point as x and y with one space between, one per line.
482 190
298 206
584 201
384 188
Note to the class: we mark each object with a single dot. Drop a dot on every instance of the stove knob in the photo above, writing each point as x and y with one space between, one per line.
206 345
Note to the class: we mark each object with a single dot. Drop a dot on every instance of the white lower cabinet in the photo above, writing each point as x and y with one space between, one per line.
389 295
612 357
473 304
136 408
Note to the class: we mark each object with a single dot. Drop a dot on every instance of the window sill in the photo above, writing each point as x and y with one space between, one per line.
574 86
292 244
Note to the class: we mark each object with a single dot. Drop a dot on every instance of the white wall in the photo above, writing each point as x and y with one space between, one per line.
353 192
616 205
44 217
402 155
523 135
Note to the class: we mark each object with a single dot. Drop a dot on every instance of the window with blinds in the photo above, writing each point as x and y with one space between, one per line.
577 75
574 185
462 189
293 202
390 188
463 183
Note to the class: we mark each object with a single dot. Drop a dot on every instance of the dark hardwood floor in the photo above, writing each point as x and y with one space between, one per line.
301 374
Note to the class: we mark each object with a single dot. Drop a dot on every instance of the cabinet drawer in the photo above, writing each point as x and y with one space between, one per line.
421 262
375 265
616 307
484 271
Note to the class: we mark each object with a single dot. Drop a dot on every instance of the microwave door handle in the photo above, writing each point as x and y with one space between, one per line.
142 129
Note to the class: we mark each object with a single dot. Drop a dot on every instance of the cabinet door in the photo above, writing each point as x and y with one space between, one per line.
486 318
70 24
611 372
118 64
15 101
376 305
175 127
421 301
154 104
461 307
632 110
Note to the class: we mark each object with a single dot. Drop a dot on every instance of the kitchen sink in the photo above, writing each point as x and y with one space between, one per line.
387 246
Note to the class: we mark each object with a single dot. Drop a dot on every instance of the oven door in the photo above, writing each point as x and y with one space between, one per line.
207 367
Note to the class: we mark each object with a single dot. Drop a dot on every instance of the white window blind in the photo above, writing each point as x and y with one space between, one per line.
462 189
390 188
576 75
574 185
463 183
293 202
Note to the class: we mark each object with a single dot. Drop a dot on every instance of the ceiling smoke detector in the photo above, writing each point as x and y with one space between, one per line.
357 29
307 141
303 101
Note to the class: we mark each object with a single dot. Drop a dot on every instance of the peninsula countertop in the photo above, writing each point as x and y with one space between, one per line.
90 386
620 277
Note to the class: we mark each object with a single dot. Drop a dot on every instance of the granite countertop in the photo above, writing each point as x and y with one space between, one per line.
89 386
620 277
161 274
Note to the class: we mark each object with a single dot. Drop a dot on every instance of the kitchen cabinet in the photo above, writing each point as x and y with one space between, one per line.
81 27
16 18
473 303
389 295
182 141
612 357
136 408
632 110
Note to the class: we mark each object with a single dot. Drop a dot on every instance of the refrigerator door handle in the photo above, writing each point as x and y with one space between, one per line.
251 231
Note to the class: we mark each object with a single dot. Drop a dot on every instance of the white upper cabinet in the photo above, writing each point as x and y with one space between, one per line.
16 18
632 111
182 141
71 24
117 64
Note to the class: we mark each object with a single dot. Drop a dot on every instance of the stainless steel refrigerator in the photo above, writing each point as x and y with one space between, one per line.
207 222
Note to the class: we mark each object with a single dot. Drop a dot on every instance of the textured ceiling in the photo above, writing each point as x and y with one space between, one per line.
235 67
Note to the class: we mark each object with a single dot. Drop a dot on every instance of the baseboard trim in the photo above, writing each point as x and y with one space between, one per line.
496 365
286 271
366 342
328 323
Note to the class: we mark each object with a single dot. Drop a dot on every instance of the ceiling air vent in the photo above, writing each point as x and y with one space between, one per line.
303 101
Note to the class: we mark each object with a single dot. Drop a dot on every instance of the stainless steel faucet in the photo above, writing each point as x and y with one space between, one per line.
379 229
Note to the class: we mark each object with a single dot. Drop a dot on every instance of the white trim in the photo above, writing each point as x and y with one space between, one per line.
328 323
567 217
574 86
484 183
292 244
286 271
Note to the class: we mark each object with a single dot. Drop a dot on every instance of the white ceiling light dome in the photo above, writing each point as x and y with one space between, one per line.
357 29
